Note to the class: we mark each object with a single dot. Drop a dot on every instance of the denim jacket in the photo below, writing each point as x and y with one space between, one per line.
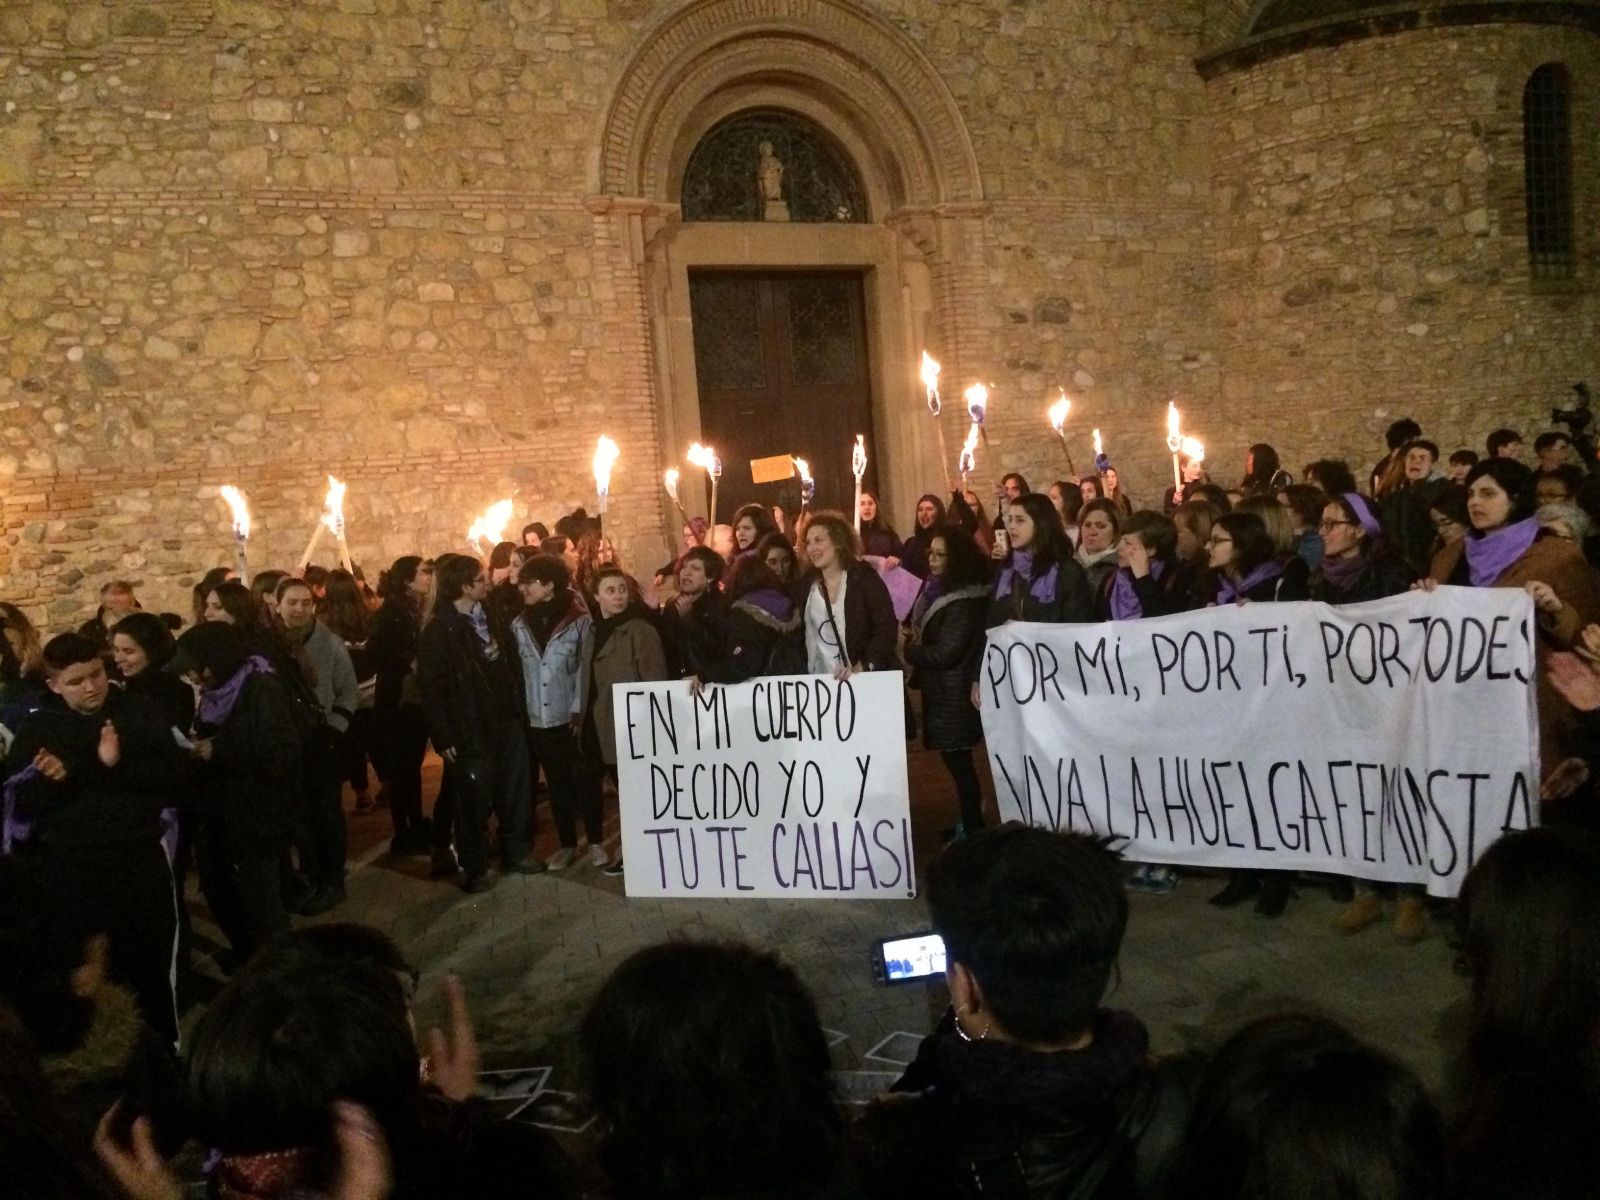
552 680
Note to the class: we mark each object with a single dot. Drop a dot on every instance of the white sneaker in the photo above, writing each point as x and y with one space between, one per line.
598 857
562 858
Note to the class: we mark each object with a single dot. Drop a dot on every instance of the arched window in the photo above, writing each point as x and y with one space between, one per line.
769 164
1547 168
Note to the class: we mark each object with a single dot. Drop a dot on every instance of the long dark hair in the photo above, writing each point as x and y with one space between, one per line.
1264 467
709 1070
396 581
759 517
150 633
1050 542
238 603
941 516
777 541
965 564
344 608
1252 544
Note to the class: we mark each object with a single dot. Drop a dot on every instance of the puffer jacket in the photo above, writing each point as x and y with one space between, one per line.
755 627
944 660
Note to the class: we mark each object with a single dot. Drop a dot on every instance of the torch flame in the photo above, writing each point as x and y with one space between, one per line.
969 451
701 456
977 402
491 526
1059 411
671 480
605 457
804 468
1194 450
1098 448
333 507
1172 421
930 381
240 510
858 456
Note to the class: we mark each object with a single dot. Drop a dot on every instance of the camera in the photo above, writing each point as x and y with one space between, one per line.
1579 416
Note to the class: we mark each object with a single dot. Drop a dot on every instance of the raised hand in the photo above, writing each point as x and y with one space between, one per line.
48 765
110 751
1575 680
454 1061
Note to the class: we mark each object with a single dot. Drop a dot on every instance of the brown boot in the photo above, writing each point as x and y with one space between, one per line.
1364 910
1410 921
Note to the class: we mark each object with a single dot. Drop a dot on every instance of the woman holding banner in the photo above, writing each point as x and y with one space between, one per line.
1250 571
1099 528
943 646
1357 567
1506 548
849 617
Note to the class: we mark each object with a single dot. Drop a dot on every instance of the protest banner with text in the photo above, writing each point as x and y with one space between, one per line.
785 786
1389 741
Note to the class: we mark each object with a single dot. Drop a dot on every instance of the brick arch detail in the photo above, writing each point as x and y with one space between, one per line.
876 77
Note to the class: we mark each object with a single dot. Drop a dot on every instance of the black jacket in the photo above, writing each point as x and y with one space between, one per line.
871 630
986 1119
392 652
466 694
170 695
1293 584
693 642
1157 597
249 788
1071 601
1407 523
752 633
96 808
1382 576
944 661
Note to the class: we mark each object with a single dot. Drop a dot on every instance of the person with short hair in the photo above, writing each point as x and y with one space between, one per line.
1504 443
1303 502
469 674
1449 516
1027 1087
554 635
1404 507
1557 485
84 786
692 623
116 601
1295 1106
1395 436
1332 475
1099 530
1553 449
1462 461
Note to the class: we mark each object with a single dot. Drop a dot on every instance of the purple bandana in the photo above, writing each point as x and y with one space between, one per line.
1490 555
1363 511
1228 591
1125 604
14 830
1042 589
216 703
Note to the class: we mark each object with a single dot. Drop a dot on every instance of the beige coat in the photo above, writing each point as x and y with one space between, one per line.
632 654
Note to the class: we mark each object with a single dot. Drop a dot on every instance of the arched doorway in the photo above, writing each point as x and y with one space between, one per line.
878 101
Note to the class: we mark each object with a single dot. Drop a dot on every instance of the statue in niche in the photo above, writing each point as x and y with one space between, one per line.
769 177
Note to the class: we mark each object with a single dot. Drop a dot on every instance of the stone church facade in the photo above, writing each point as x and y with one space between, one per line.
437 247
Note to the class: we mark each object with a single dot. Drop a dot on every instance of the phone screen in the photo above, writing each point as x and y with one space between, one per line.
917 957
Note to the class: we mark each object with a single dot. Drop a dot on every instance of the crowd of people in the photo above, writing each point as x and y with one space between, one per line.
142 746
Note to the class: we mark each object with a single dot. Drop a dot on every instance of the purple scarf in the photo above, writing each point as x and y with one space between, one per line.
15 830
1042 589
217 703
1228 591
1342 573
1125 604
1490 555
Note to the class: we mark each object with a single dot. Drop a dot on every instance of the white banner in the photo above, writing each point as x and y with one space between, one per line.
1390 741
788 786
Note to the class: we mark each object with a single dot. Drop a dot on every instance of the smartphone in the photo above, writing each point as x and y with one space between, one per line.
1002 542
908 957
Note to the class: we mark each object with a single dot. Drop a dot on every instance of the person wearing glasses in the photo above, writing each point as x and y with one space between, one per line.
1448 516
849 617
400 727
1251 571
1358 565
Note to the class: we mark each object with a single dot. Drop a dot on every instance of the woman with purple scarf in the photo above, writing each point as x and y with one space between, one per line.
1506 548
1357 566
1248 568
249 748
765 631
1039 579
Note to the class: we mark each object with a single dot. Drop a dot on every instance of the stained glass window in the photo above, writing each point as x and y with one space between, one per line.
817 181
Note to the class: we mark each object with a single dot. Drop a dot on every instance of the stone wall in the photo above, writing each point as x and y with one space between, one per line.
1372 252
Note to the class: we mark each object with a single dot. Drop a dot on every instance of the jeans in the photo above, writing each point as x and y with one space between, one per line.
573 788
497 782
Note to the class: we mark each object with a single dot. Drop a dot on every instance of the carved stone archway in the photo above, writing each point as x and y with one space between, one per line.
872 89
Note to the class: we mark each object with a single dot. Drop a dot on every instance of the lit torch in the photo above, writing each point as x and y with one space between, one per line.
332 519
1058 422
671 480
241 528
1101 462
858 468
969 456
706 459
1174 444
490 527
930 384
808 485
977 397
605 457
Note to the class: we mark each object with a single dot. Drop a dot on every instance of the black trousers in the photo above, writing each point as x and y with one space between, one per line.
125 893
496 782
399 744
969 793
574 790
357 749
322 839
241 887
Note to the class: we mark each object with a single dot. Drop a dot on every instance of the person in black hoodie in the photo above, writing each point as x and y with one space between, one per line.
471 683
400 727
942 649
249 747
85 783
762 631
1028 1088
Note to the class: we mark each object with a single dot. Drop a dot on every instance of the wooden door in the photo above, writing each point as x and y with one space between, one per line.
781 359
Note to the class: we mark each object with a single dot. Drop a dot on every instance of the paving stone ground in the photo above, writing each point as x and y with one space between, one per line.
535 949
